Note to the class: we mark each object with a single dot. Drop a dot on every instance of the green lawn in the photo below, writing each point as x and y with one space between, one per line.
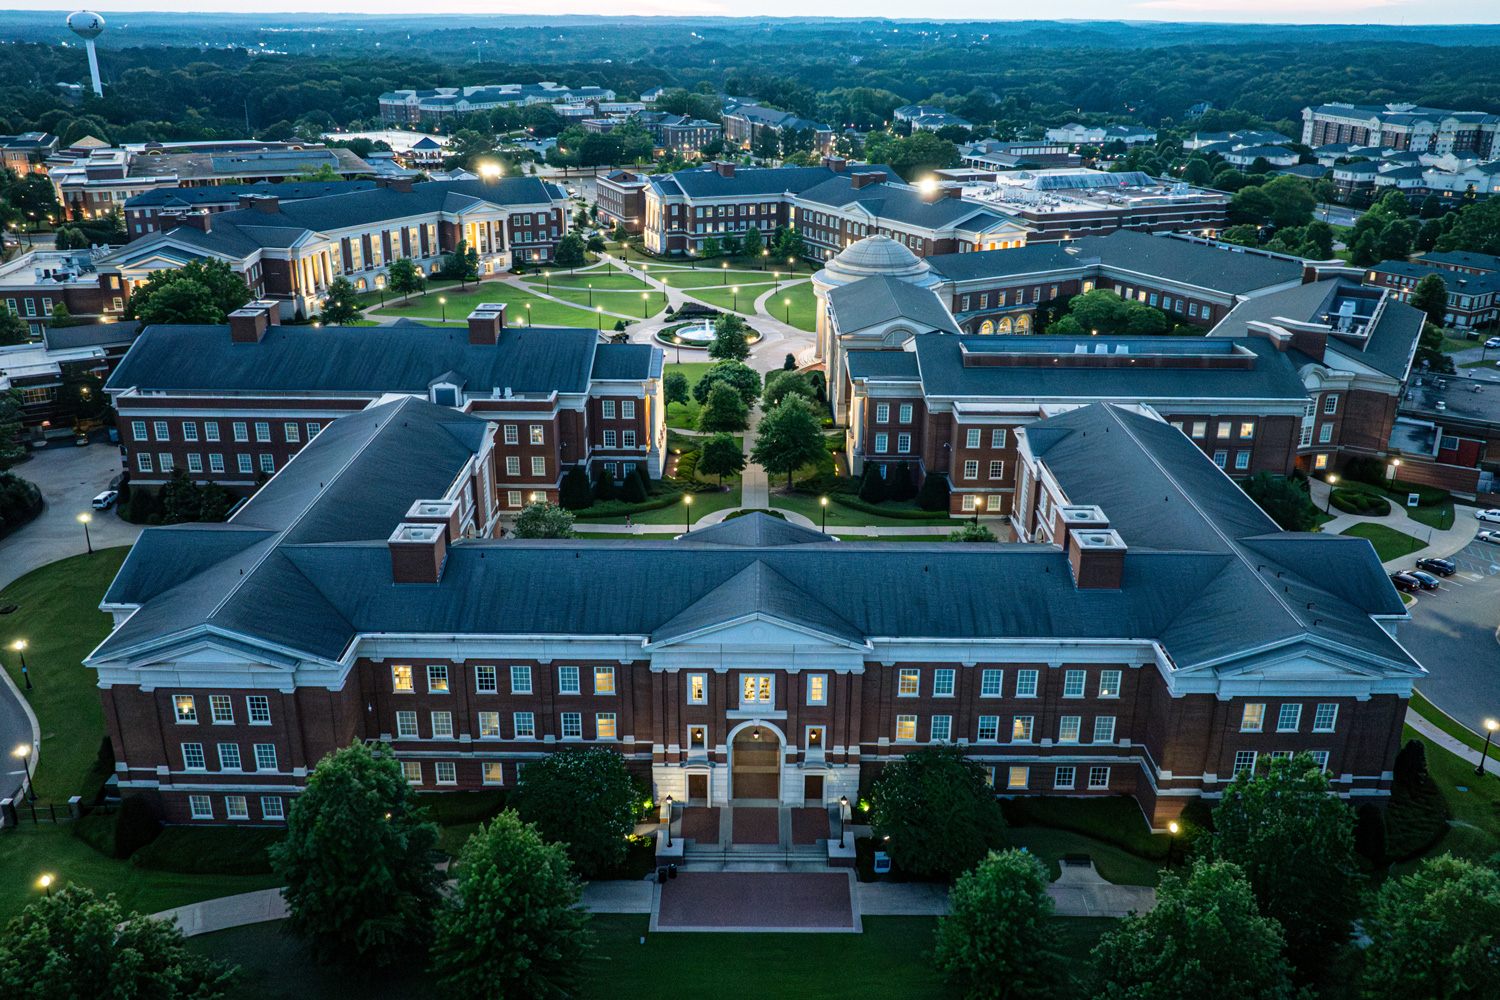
685 415
710 277
612 279
1473 805
804 309
543 312
1389 543
1439 515
60 620
620 303
1477 364
724 298
703 503
808 506
1452 345
1446 722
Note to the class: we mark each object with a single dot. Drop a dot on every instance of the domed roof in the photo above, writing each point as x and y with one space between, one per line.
876 255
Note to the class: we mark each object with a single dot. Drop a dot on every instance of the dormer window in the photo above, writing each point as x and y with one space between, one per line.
444 394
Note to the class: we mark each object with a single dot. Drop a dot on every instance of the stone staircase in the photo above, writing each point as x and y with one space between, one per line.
725 855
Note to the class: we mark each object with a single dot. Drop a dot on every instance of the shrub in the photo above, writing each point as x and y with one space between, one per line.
934 492
633 489
120 833
210 850
1356 502
574 493
872 486
1417 816
898 483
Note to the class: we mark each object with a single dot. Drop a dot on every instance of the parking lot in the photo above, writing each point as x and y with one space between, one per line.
1455 633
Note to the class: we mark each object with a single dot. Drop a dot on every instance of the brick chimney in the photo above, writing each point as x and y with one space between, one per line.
247 201
443 513
1084 518
939 192
1097 558
198 220
486 322
865 179
836 163
248 324
418 552
1288 335
269 204
401 184
724 169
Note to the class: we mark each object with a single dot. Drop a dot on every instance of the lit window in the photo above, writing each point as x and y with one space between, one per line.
909 683
494 773
1200 428
942 683
755 689
259 707
604 680
520 679
567 680
1325 717
192 757
437 679
489 725
1020 729
525 723
271 807
485 680
1026 684
447 772
265 756
604 726
1247 429
906 728
572 725
1224 429
1109 684
990 683
412 770
817 689
1073 682
537 434
1104 729
942 728
1244 760
201 806
1289 718
1253 719
187 711
406 724
1098 777
1062 777
221 708
1320 462
442 725
697 689
1018 778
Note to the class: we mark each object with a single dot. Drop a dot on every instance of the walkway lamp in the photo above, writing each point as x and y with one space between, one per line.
645 297
591 294
442 301
24 752
788 304
687 507
764 256
46 884
599 312
823 502
20 647
1171 844
528 315
1332 480
84 520
1395 470
679 349
736 291
725 266
1490 730
668 803
978 506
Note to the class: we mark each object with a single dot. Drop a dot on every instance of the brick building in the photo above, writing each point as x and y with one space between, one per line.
233 404
1473 296
358 595
428 107
1402 127
33 284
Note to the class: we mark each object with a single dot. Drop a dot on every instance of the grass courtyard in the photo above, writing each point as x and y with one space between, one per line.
1389 543
542 311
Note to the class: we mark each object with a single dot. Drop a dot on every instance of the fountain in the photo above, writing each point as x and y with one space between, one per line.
697 335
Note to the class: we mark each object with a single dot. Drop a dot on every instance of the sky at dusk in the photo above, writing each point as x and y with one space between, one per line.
1273 11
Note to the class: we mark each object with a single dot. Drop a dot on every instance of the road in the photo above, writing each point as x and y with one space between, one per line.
1455 633
1338 215
69 478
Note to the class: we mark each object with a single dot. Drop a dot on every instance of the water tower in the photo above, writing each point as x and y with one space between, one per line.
88 26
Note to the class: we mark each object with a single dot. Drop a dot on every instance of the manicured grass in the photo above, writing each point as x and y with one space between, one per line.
28 851
60 620
703 503
808 506
1477 364
1452 345
1115 864
1389 543
543 312
711 277
618 303
600 279
1474 811
1438 515
804 314
1446 722
685 415
723 298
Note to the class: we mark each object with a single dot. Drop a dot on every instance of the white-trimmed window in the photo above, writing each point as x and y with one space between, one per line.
513 497
989 728
882 413
195 462
757 689
1018 777
1104 729
604 726
942 728
525 723
538 434
259 708
971 469
1244 760
1320 757
943 682
313 427
970 501
437 679
1289 719
489 725
164 461
903 444
494 772
1221 458
1200 428
1325 433
143 462
1073 681
881 443
1020 728
138 430
538 465
265 756
608 409
291 431
991 682
627 439
1026 683
241 430
997 438
572 725
216 462
221 709
189 430
202 806
1063 777
210 430
697 689
229 756
406 724
1242 460
442 725
245 464
1109 683
263 430
906 728
997 470
163 431
905 413
412 770
186 708
609 439
271 807
486 681
1331 403
567 680
1224 429
520 679
909 682
1068 728
817 689
971 437
192 757
1253 719
604 680
512 434
1326 717
236 807
513 467
1098 777
268 464
447 772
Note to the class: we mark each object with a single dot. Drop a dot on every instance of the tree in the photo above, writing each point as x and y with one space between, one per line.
1429 353
1431 296
180 499
788 438
74 944
936 809
712 247
1284 500
789 363
569 251
1428 236
1365 250
1396 240
1197 172
972 532
752 244
542 519
633 486
740 376
872 484
1396 203
215 292
406 277
724 411
596 244
1432 207
729 245
341 304
11 406
516 929
1244 235
1295 843
1203 938
1432 933
462 264
731 339
325 172
934 492
13 329
574 493
996 943
583 797
675 387
358 862
722 456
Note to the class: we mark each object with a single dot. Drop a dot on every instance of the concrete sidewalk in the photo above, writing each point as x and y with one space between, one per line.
1080 891
1453 746
226 912
1439 542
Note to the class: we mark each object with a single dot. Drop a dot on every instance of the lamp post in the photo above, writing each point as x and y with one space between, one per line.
1490 725
668 804
687 507
591 295
599 312
443 301
725 266
765 255
845 815
775 281
46 883
1395 468
978 506
679 349
84 520
24 752
1171 844
736 291
788 304
20 647
1331 479
823 502
528 315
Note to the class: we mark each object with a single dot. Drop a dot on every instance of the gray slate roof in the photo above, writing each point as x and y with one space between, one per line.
894 201
705 182
869 302
226 193
1463 258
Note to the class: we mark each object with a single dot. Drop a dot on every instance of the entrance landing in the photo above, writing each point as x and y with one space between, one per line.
795 902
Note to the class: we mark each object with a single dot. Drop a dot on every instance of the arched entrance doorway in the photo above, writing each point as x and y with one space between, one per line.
755 763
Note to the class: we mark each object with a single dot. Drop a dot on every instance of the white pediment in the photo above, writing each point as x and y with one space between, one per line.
758 630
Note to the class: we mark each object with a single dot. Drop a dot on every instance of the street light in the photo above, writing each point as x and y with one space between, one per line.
736 291
599 311
644 297
1395 468
46 883
20 647
668 803
788 304
444 303
687 506
679 349
1332 479
725 266
591 295
764 256
24 752
1172 843
84 520
978 506
528 315
823 502
1490 730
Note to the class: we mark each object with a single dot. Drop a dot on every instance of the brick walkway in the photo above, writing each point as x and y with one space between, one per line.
700 823
809 825
756 826
757 901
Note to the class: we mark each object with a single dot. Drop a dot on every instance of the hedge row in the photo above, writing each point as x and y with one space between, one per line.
618 508
1355 502
904 513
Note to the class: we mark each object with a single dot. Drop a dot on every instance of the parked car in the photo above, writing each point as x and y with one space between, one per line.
1427 580
1492 343
1491 514
1493 537
1406 582
106 500
1442 567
